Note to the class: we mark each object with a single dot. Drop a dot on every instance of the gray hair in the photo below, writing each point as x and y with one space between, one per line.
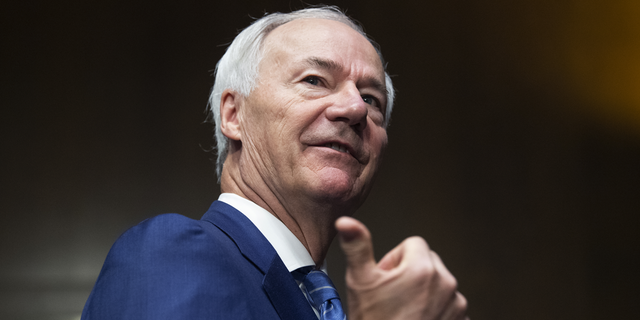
238 68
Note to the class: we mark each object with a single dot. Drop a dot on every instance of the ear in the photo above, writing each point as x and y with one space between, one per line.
229 108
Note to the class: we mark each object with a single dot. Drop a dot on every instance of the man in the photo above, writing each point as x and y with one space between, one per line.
301 103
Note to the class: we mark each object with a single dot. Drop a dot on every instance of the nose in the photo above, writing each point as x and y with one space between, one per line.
350 108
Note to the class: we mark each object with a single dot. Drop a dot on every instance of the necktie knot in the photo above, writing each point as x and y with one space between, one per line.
321 293
320 288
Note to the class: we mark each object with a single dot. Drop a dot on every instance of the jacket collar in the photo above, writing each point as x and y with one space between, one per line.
278 283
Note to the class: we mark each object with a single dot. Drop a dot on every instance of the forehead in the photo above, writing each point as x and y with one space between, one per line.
322 38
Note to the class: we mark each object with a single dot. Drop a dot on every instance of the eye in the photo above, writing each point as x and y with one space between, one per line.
312 80
369 100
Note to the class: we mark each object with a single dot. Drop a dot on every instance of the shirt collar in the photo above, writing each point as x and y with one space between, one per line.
289 248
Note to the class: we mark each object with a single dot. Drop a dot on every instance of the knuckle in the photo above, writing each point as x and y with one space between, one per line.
461 302
449 283
417 241
424 270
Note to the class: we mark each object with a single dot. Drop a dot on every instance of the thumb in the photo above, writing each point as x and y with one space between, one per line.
355 241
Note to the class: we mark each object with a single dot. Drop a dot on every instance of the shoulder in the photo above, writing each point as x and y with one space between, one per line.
167 238
167 262
164 229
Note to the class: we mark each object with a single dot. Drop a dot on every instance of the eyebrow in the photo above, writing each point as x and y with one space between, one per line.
331 65
324 64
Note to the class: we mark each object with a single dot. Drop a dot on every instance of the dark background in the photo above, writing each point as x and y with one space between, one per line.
514 145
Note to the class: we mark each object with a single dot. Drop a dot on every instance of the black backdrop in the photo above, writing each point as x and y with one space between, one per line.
514 145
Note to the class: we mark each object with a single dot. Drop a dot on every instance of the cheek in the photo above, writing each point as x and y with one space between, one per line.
293 120
378 141
274 129
376 116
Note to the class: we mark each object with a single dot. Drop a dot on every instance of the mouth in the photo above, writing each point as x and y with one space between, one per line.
338 147
354 151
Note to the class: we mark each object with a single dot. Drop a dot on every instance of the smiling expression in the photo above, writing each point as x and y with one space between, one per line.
314 124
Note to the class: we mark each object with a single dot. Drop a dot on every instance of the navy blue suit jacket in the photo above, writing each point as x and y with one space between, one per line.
173 267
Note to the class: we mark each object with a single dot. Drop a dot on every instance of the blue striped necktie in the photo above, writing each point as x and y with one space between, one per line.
321 293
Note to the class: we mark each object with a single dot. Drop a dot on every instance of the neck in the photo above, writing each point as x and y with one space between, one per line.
312 222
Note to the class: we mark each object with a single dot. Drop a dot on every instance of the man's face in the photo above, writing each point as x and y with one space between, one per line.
313 127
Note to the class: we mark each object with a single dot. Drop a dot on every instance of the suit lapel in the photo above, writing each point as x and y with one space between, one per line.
278 283
285 294
252 244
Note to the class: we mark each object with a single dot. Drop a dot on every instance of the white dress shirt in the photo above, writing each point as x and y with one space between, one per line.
289 248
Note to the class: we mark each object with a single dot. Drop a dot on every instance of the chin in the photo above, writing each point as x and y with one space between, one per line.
337 186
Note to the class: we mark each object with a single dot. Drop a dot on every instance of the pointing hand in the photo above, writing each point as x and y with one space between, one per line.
409 282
